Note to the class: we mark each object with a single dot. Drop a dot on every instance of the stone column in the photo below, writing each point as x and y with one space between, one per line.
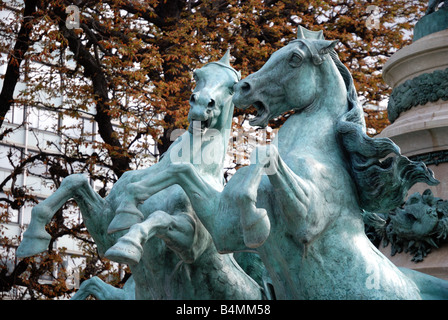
418 106
418 111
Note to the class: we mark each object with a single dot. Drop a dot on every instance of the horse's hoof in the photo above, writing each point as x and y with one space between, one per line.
123 221
125 251
256 228
31 245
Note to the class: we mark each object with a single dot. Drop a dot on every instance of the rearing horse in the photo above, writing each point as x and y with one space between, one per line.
178 259
305 218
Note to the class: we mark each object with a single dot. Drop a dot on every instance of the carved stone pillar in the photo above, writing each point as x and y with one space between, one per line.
418 106
418 110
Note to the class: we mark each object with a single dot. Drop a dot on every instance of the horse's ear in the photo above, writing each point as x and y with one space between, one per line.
327 46
304 33
320 48
226 58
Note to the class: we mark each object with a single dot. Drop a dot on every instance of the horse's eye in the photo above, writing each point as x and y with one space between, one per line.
195 76
295 60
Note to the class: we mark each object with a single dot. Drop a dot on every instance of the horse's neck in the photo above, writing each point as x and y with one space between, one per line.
214 145
310 132
207 152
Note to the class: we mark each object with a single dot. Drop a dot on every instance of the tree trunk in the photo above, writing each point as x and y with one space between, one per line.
15 59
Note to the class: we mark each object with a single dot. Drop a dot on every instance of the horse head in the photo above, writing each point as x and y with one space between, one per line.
211 100
307 74
289 80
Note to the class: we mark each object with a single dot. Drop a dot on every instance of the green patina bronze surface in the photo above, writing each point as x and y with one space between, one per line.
300 205
428 87
416 227
169 251
433 21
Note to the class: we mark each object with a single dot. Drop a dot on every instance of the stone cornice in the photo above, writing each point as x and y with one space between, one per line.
423 56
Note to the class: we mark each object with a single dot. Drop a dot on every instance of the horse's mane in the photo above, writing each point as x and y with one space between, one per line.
382 182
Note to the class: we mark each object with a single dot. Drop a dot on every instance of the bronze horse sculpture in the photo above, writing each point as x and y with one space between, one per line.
305 217
178 258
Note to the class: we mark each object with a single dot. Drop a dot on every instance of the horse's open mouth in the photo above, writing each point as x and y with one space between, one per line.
262 117
201 127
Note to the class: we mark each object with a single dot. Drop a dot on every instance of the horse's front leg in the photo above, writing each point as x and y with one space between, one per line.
178 232
254 221
183 174
36 239
103 291
215 209
292 190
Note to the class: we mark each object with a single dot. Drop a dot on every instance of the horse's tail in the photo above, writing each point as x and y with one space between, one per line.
382 182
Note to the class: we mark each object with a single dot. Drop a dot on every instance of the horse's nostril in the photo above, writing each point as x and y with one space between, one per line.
211 104
245 87
193 98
